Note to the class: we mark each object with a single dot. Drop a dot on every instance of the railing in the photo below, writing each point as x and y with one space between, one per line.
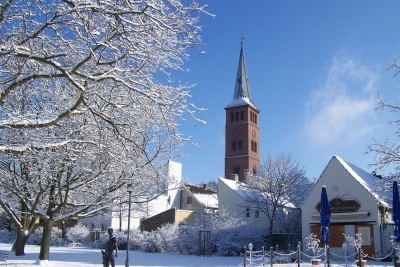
263 258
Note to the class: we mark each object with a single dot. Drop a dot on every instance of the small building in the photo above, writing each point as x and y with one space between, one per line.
355 208
194 197
173 216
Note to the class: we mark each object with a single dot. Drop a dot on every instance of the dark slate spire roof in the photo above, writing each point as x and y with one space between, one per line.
242 93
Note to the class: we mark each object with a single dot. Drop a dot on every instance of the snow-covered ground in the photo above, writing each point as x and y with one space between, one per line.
86 257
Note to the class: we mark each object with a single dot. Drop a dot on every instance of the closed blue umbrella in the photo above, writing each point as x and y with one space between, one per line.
396 212
325 215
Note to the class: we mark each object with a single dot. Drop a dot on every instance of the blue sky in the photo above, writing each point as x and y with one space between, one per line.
315 68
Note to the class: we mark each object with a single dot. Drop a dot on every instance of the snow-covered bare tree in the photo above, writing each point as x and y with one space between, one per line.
80 107
387 154
279 187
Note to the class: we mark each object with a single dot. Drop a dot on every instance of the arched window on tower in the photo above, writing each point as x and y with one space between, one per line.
233 145
252 145
232 116
237 170
241 115
255 118
240 145
255 147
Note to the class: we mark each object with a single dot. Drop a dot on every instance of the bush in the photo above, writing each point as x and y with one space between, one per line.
135 237
78 235
7 236
161 240
55 240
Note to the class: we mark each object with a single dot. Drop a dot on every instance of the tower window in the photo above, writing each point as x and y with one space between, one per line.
237 116
232 115
240 145
255 147
251 116
237 170
242 115
255 118
252 145
233 145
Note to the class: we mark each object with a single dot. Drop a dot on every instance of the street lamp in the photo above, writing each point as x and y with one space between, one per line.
344 247
129 189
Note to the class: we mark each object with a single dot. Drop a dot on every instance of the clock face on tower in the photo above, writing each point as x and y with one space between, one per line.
253 133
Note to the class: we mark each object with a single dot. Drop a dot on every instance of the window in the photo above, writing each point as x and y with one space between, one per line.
240 145
255 118
241 115
252 145
257 214
237 170
188 200
237 116
251 116
233 145
232 117
255 147
247 212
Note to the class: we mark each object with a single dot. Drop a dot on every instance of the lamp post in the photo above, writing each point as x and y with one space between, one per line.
129 189
344 247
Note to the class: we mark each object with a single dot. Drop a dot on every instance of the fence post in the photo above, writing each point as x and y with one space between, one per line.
298 255
263 255
271 258
245 251
328 258
359 257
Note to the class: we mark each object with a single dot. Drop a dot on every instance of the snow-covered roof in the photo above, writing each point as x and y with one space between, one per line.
242 92
241 189
210 201
367 180
208 197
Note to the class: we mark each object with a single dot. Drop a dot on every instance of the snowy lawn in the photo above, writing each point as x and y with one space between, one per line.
87 257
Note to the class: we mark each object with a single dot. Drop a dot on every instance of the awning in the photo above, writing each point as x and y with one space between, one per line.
345 215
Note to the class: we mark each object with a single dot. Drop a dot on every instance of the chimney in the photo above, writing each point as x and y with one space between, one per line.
234 177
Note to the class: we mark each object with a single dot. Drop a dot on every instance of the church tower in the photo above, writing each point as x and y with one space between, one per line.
242 139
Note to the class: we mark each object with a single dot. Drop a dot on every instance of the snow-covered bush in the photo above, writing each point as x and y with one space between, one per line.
78 235
355 242
7 236
162 240
135 237
56 237
312 244
101 242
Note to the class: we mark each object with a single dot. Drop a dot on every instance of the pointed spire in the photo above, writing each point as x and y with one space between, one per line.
242 93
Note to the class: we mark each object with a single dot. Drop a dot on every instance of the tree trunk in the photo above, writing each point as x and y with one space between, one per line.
19 243
46 236
63 230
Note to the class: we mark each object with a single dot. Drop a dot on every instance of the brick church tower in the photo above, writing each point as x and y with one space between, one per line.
242 139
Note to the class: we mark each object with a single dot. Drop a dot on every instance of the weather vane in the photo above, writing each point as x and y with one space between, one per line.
241 38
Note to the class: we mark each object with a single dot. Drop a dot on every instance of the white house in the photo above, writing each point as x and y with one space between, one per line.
118 220
355 208
232 197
